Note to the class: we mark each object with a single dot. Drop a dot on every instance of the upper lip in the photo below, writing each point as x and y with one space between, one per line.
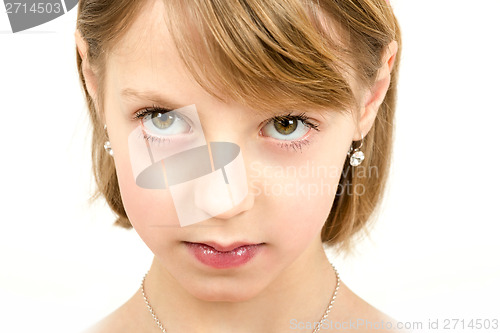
226 248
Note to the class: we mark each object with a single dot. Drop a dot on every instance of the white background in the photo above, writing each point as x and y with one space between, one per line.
434 252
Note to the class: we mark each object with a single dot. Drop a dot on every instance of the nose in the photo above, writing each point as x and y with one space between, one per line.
225 193
221 203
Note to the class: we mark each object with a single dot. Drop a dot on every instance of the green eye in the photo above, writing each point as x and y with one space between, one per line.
162 120
163 123
285 126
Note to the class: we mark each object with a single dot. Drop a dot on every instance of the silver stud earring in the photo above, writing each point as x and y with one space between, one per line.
356 156
107 145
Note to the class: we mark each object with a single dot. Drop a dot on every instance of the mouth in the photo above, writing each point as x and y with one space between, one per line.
225 248
224 256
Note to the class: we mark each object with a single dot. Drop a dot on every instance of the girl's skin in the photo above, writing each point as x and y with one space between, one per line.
292 277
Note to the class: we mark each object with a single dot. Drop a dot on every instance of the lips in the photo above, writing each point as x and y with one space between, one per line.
225 248
224 256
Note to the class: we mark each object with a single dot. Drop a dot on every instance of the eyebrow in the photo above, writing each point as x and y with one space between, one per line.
169 103
151 96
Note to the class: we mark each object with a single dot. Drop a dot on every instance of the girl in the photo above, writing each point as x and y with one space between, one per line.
235 138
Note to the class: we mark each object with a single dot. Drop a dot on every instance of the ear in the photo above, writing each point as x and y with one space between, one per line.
374 97
88 73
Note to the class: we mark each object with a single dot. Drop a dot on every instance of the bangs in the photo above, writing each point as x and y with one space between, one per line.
261 54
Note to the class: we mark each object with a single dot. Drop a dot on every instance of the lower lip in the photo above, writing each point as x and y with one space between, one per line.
228 259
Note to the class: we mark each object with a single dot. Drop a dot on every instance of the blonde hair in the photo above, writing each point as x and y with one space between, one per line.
265 53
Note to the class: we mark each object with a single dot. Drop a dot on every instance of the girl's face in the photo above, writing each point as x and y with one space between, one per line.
291 186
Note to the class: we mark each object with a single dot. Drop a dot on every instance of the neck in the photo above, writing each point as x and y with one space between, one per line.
300 293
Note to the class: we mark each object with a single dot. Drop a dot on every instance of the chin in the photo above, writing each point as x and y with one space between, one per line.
223 291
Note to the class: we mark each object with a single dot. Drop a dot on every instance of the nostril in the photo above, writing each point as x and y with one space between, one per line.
238 208
221 200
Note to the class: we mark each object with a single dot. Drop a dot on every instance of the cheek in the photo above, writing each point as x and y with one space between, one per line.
303 212
306 188
149 211
299 198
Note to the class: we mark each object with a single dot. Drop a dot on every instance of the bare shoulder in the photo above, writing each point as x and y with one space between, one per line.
123 320
354 314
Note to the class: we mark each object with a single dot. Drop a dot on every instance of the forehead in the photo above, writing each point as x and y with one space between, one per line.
147 33
147 56
147 52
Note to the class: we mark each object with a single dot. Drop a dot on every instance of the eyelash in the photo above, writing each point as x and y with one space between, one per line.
294 144
287 145
144 112
139 115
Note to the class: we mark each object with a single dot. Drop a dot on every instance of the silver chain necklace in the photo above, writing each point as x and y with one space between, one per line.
316 329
